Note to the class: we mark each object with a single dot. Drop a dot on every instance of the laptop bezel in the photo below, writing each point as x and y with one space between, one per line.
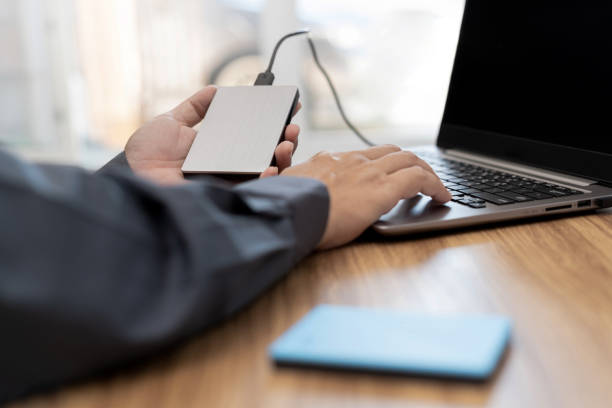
593 165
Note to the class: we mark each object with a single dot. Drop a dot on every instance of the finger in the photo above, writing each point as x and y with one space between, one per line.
376 152
291 134
283 154
408 182
395 161
269 172
192 111
296 109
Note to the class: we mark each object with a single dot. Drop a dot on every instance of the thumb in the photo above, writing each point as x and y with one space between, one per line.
192 111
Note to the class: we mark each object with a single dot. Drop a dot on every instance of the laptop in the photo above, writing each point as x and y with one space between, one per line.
527 126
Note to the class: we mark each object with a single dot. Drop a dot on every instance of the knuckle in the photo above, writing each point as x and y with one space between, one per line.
407 159
373 173
393 147
322 155
410 155
323 159
392 193
418 172
378 177
358 157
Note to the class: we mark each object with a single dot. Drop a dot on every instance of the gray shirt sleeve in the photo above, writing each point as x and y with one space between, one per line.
98 269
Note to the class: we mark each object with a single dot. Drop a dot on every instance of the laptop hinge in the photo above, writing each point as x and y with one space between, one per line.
520 168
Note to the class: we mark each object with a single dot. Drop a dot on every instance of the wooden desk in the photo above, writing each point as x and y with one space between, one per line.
554 278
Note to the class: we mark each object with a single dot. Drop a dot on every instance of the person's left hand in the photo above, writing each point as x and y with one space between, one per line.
158 149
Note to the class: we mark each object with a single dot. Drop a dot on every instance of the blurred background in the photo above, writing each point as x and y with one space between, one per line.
77 77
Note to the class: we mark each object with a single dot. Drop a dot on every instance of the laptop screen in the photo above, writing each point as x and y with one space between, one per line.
531 79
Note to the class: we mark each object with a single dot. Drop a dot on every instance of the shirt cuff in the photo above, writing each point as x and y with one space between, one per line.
117 163
306 198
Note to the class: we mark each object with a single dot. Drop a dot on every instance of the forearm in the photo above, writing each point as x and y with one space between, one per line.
108 268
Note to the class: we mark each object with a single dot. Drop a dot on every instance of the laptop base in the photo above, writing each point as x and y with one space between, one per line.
420 213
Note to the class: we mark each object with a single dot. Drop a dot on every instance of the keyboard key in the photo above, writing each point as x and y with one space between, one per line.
499 184
469 183
521 190
538 196
480 186
469 190
515 196
495 199
470 201
465 201
553 191
477 205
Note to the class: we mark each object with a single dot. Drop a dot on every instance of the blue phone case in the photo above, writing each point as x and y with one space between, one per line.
464 346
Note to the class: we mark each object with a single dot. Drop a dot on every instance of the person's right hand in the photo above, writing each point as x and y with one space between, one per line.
365 184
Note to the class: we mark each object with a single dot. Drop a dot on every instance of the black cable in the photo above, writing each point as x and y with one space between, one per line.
278 44
267 78
336 98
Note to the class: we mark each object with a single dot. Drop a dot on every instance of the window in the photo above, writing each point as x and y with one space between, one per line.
78 76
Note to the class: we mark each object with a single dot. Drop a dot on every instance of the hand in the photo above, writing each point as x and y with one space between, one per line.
158 149
365 184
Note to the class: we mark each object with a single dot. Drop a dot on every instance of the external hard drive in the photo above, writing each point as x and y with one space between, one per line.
241 129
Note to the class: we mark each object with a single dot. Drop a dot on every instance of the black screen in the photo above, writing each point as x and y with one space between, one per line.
536 71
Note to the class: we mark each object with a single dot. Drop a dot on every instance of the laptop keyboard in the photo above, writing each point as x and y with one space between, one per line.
474 186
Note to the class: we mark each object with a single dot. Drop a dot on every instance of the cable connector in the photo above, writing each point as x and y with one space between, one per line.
264 78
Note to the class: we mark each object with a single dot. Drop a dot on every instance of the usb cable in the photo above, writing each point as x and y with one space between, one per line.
267 78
